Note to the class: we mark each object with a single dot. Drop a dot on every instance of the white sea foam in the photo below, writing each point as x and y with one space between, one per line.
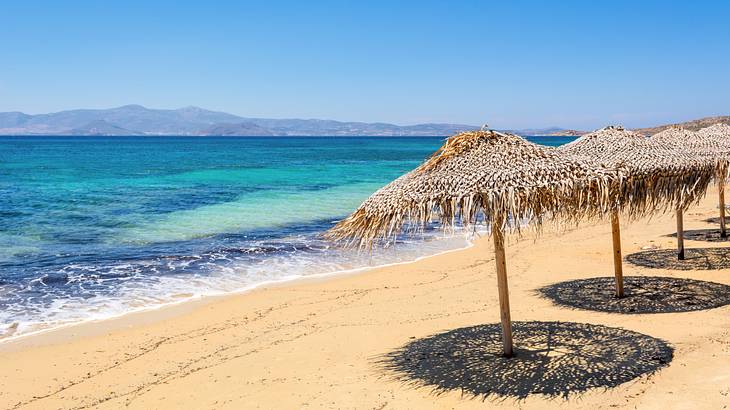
225 273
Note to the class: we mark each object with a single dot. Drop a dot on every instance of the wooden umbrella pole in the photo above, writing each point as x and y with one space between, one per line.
680 235
721 189
617 263
498 234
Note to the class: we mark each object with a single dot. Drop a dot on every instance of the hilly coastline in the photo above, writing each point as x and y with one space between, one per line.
195 121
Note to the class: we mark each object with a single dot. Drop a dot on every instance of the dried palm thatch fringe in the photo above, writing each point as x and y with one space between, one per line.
484 174
661 178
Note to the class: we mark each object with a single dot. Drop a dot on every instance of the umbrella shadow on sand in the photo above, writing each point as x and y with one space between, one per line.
555 359
695 259
642 294
704 235
713 220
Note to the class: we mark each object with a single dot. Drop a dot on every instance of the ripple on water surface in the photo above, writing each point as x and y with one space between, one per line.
96 227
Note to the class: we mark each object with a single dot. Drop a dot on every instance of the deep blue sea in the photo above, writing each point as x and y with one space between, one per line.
93 227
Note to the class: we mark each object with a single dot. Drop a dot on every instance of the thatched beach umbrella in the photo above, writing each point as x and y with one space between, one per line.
708 147
719 136
659 179
488 176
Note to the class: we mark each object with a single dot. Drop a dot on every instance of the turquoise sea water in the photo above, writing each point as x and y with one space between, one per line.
94 227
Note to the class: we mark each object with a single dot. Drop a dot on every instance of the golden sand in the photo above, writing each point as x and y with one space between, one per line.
326 344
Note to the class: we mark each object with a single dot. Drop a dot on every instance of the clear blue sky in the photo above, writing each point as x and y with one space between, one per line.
513 64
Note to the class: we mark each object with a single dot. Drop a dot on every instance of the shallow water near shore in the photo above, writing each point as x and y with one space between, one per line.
92 227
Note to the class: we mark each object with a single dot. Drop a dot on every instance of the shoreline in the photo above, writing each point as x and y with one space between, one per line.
320 339
170 309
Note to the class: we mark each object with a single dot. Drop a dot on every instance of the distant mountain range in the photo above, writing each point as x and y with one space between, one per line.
138 120
194 121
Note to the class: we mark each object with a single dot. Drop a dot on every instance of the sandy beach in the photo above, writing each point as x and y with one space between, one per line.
341 342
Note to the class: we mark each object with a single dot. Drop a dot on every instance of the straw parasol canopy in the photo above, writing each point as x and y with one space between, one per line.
719 131
660 178
718 137
709 144
486 175
714 137
483 174
715 140
706 147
